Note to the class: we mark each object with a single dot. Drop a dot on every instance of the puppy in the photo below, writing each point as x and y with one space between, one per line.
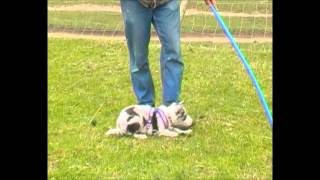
141 120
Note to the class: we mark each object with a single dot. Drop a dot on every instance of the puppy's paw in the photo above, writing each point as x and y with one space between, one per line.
115 132
168 133
185 132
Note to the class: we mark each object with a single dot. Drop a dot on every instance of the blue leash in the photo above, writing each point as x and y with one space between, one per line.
244 61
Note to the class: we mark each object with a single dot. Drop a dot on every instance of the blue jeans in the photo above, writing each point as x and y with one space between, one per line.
166 21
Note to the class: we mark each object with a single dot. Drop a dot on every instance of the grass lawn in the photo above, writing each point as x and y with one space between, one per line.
86 20
231 137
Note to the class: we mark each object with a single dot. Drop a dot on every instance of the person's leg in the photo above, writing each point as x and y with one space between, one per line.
137 20
166 19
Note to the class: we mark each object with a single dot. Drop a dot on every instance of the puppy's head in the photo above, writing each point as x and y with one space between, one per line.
178 116
134 119
134 124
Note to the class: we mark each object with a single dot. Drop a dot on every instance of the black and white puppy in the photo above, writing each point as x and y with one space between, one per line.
141 120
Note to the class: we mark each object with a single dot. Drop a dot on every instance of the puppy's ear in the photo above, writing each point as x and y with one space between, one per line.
115 132
132 128
133 125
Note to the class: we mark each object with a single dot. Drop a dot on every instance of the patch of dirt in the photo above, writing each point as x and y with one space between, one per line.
190 12
183 39
86 7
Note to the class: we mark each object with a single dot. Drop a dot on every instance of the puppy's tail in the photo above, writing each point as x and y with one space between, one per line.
115 132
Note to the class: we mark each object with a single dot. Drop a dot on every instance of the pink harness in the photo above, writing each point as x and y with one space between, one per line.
160 115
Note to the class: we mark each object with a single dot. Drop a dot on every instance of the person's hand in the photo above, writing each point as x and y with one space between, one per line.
210 2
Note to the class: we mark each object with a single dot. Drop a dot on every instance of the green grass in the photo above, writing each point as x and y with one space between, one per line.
86 20
231 138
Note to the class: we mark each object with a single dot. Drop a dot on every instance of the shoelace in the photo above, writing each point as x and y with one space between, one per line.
154 4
